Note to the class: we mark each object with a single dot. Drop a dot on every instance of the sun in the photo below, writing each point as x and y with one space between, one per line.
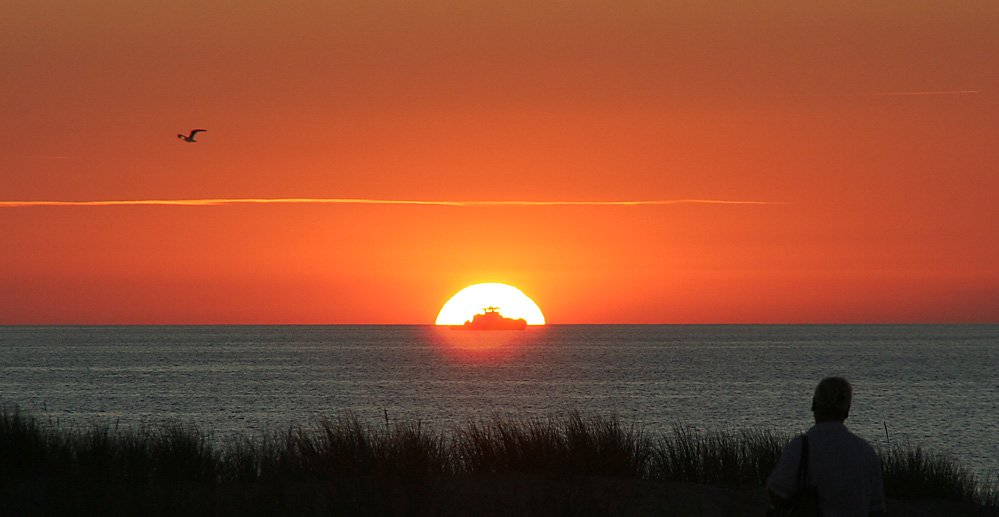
468 302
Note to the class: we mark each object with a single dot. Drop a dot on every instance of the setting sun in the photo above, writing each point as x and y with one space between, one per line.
468 302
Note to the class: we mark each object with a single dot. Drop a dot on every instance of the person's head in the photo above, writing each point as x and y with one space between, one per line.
832 399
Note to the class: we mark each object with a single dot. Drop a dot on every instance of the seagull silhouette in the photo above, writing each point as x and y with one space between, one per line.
190 137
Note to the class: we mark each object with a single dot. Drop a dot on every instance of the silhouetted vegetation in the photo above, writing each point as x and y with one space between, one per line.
737 458
343 466
572 446
912 473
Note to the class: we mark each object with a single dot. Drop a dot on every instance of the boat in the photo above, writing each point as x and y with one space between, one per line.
490 319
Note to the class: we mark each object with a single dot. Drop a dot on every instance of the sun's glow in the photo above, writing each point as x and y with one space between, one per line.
473 299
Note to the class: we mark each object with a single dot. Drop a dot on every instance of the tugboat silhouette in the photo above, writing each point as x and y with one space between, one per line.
491 319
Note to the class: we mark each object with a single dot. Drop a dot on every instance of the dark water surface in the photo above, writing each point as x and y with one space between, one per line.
933 385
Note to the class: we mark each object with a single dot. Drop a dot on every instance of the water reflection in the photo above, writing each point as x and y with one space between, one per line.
484 346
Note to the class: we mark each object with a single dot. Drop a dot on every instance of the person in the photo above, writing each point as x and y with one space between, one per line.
842 466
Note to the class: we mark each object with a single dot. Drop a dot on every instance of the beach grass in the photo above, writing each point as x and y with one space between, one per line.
911 473
570 446
734 458
386 465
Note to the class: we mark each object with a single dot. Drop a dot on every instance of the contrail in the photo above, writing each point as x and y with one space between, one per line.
355 201
954 92
905 94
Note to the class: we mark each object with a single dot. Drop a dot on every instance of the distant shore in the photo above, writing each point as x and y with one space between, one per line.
567 465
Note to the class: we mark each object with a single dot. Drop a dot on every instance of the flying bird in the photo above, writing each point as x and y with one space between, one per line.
190 137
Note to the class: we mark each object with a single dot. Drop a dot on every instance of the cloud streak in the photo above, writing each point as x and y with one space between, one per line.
907 94
360 201
954 92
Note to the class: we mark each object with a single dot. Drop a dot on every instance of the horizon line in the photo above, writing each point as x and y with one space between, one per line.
363 201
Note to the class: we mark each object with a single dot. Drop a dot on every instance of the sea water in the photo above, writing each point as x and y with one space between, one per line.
930 385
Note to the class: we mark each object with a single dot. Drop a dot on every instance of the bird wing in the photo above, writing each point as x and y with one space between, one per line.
196 131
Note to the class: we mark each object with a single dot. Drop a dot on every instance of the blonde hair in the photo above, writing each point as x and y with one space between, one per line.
833 397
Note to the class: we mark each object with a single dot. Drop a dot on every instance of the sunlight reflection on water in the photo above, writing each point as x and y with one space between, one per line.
483 346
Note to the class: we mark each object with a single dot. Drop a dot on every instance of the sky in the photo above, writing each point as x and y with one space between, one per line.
840 159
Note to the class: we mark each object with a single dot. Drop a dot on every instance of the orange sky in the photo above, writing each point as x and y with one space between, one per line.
873 130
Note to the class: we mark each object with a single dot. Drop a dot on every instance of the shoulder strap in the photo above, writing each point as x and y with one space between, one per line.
803 464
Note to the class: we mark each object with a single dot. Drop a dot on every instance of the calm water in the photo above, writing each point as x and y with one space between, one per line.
933 385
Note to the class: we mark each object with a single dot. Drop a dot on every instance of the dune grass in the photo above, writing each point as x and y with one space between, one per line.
386 464
571 446
735 458
912 473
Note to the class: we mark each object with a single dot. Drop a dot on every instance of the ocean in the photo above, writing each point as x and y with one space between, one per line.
930 385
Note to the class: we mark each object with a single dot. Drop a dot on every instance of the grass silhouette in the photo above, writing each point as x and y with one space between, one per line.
343 466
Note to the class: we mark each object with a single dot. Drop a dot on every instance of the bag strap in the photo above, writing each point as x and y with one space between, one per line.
803 464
